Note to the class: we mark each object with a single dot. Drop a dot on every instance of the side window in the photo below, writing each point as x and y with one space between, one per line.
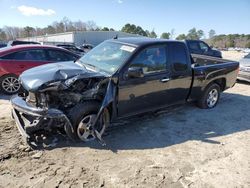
152 59
9 56
204 47
27 55
194 46
179 57
57 55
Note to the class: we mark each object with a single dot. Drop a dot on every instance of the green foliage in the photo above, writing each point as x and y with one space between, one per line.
131 28
3 36
195 35
231 40
152 34
211 33
181 37
247 45
165 35
28 31
105 29
50 30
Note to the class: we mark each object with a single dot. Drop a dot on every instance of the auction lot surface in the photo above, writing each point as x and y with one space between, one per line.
187 147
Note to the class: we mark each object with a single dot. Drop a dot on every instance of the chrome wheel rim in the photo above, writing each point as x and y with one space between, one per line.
85 130
11 84
212 98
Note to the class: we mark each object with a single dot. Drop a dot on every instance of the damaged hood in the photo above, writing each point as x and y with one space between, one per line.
34 78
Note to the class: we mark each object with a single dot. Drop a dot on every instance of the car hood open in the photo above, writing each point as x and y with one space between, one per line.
34 78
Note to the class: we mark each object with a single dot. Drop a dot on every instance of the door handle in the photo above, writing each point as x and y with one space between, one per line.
165 79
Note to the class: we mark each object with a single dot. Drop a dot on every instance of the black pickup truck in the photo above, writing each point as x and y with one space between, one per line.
117 79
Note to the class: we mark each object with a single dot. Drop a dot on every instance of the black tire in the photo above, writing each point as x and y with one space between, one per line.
205 102
81 110
3 81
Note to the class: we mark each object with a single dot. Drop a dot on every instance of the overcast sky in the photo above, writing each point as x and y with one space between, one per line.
224 16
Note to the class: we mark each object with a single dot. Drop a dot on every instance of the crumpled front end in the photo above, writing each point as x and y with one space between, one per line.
47 109
31 119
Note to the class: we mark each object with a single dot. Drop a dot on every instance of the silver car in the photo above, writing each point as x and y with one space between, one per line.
244 73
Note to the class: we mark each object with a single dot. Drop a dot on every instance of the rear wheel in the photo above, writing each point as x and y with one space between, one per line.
83 116
210 96
9 84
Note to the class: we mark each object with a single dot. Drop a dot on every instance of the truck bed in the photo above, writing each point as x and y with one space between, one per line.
203 60
206 69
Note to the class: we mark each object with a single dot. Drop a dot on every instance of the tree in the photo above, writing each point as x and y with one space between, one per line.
80 26
194 35
131 28
28 31
3 36
50 30
200 34
211 33
181 37
152 34
247 45
165 35
12 32
105 29
91 26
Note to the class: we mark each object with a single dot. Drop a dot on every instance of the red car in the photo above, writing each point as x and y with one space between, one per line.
14 60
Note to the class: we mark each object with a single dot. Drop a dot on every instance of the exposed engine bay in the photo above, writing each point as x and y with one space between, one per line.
59 95
51 105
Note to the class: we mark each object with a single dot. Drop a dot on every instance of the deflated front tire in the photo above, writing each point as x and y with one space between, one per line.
83 116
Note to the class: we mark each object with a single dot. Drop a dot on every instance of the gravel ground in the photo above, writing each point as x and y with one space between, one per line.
186 147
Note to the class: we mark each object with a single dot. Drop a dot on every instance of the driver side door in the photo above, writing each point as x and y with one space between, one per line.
141 94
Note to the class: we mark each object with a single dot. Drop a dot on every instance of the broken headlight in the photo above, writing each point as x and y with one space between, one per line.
70 81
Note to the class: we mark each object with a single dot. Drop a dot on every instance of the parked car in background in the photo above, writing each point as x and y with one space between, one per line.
14 60
72 48
244 73
2 45
87 47
202 48
118 78
19 42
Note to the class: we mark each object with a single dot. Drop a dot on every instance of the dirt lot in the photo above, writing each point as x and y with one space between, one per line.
233 55
187 147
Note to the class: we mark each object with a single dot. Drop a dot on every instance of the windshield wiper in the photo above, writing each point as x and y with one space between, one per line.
95 67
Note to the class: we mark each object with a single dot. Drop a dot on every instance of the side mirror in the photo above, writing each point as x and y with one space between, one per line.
135 72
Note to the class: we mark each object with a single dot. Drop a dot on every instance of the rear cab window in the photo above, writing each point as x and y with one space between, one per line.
179 57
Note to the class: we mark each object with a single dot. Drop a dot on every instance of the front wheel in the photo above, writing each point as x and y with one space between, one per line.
82 117
210 96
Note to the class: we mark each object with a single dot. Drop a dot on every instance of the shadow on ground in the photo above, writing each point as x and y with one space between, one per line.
176 126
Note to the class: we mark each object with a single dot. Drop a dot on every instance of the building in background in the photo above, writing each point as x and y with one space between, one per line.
79 37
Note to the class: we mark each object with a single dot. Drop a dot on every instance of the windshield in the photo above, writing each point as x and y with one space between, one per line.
107 56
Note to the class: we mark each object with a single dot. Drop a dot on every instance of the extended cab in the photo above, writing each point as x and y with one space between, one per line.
118 78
